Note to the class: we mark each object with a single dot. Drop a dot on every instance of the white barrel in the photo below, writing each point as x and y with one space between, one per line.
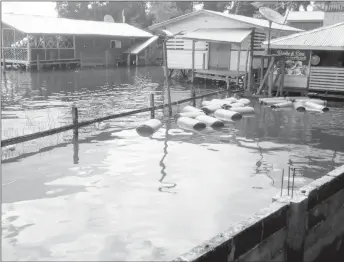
231 99
210 121
236 104
227 115
190 123
315 101
244 101
315 106
261 100
272 102
190 109
149 127
299 106
295 98
211 108
243 110
205 103
285 104
189 114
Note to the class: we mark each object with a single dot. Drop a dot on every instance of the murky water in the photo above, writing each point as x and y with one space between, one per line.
117 196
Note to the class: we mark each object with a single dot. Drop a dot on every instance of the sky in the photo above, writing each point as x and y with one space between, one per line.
33 8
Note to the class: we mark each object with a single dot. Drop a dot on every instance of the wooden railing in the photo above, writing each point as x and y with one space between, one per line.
15 54
327 78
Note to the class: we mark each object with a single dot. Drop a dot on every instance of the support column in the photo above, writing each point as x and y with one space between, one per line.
193 61
28 52
238 64
250 71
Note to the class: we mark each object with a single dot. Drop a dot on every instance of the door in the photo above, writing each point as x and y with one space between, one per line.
218 56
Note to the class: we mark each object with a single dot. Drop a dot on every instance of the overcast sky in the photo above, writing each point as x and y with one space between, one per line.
35 8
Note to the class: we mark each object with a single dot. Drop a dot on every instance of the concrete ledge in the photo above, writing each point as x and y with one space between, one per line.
236 241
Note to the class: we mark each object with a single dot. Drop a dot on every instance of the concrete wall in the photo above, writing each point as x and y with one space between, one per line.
308 227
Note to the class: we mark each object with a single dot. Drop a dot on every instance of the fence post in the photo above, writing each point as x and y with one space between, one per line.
297 221
38 66
152 105
194 97
106 58
75 120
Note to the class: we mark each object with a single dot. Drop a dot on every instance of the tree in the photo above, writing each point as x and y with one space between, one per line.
162 11
243 8
135 12
185 6
216 6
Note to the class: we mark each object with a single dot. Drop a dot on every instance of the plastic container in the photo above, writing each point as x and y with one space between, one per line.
190 123
243 110
285 104
149 127
211 108
299 106
236 104
315 106
244 101
210 121
272 102
189 114
227 115
190 109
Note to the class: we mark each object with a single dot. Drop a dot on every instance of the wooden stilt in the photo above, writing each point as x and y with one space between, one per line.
238 64
193 61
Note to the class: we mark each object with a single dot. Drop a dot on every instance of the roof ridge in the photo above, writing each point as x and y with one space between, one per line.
306 32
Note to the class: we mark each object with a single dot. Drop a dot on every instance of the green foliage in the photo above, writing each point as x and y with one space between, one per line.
135 12
216 6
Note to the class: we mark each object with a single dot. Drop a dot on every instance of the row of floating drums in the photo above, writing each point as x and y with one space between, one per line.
212 114
300 104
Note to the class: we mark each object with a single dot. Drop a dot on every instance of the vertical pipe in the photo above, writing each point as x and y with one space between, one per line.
229 57
75 120
282 181
193 96
193 61
292 187
166 77
288 179
238 64
74 46
152 105
38 65
250 71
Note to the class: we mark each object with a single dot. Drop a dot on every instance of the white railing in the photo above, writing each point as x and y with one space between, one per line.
327 78
15 54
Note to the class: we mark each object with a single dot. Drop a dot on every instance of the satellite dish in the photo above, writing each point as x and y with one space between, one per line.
315 60
108 19
272 15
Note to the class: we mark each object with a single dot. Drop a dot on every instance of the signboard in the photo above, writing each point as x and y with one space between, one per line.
296 61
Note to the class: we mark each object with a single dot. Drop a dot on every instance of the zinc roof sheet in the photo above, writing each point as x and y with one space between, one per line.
324 38
139 47
32 24
218 35
301 16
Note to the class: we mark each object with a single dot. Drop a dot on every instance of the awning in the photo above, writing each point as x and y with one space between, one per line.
136 49
224 35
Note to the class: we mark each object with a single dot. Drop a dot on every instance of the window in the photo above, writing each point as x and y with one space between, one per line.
115 44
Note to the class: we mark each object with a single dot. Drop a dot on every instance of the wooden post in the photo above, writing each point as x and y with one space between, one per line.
229 57
28 51
246 65
282 69
75 135
128 60
193 96
203 61
38 65
137 60
106 58
208 57
261 74
14 49
250 71
271 78
193 61
74 46
3 50
152 105
58 51
166 77
75 119
265 76
81 57
238 64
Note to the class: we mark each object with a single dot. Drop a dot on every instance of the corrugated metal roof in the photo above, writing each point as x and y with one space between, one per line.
32 24
257 22
324 38
245 19
301 16
136 49
218 35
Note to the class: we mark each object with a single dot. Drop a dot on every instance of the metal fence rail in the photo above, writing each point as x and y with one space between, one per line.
76 125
